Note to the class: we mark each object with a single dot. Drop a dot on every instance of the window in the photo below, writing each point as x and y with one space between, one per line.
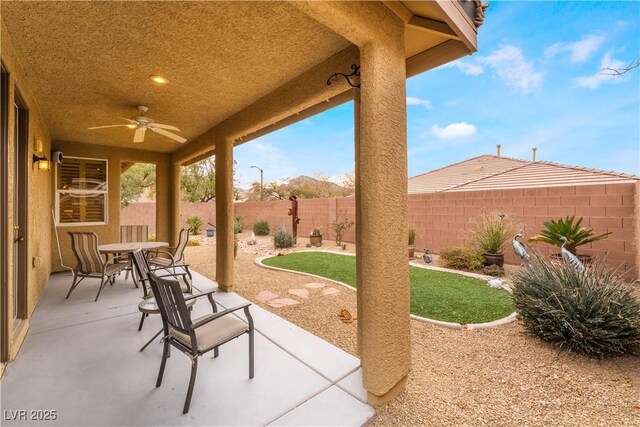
81 191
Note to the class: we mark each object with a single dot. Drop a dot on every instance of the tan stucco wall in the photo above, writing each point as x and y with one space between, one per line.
39 182
110 232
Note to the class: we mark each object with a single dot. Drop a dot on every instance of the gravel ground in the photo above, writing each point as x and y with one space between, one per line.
499 376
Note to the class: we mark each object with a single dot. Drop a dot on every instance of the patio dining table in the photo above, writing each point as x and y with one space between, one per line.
129 247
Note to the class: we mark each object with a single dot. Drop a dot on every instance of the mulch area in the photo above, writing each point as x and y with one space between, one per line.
500 376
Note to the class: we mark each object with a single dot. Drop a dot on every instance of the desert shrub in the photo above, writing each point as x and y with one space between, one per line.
282 238
591 312
194 223
193 242
462 258
261 228
493 270
491 231
340 226
238 224
153 238
411 237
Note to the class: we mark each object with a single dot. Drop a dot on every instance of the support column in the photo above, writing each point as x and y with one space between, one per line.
225 237
381 232
168 201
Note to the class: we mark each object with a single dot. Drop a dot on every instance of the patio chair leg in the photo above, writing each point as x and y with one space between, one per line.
151 340
141 322
251 358
74 284
163 363
215 352
102 285
192 381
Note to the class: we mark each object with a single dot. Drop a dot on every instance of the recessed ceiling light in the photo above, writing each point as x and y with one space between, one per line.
159 79
132 126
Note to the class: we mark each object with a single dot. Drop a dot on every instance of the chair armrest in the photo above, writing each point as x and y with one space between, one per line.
207 293
215 316
113 261
157 252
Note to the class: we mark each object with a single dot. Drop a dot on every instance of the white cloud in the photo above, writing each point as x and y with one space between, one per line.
467 68
454 130
510 65
417 101
594 81
579 51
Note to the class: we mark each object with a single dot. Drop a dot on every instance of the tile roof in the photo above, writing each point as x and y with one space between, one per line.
490 172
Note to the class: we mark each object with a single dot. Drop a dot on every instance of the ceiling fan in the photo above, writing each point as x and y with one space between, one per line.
142 123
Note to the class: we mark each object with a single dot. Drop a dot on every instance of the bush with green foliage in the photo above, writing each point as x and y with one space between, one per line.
491 231
340 226
282 238
576 234
261 228
238 224
591 312
194 223
465 258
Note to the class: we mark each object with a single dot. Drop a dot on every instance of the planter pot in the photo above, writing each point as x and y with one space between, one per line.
412 251
211 232
315 240
493 259
584 259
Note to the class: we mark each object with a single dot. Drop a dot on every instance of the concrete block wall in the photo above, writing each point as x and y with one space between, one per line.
446 219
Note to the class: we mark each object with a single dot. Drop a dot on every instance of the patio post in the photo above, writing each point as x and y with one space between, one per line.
167 201
381 212
174 209
225 237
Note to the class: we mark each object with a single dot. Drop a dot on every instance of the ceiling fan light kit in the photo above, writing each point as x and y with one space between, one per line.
142 123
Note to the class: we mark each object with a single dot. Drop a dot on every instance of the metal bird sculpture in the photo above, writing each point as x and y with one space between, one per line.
519 248
568 257
426 257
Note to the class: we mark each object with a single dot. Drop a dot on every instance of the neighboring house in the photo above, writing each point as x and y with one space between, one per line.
491 172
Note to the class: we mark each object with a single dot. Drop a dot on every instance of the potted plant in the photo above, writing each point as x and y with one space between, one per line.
572 229
315 236
412 242
491 232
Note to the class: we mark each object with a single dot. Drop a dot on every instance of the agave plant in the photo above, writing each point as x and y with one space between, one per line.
576 234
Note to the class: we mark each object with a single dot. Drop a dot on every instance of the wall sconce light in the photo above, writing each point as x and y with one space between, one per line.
43 162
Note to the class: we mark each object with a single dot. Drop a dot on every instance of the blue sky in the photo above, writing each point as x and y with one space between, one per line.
534 82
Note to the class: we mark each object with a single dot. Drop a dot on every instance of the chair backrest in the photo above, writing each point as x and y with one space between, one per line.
85 248
182 243
134 233
141 264
171 304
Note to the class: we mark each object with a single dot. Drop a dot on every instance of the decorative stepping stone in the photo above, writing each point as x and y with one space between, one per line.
315 285
282 302
265 296
330 291
302 293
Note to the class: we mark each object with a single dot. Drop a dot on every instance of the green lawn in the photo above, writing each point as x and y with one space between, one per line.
434 294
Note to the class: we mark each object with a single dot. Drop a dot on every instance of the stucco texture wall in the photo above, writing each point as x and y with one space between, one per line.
39 194
110 232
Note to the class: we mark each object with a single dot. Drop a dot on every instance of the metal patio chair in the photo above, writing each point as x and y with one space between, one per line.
133 233
90 263
196 337
148 305
174 257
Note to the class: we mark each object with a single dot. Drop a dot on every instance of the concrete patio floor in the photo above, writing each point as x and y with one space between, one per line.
81 359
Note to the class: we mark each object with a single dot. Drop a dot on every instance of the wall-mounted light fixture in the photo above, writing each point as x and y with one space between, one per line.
43 162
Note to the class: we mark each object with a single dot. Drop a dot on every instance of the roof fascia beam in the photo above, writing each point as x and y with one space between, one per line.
432 26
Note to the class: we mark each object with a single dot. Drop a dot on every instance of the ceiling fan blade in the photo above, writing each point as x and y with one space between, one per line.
139 135
169 135
109 126
161 126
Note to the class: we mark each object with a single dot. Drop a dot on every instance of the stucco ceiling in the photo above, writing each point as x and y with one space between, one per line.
88 62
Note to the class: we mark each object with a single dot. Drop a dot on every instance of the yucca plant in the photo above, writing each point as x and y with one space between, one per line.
282 238
591 312
412 236
572 229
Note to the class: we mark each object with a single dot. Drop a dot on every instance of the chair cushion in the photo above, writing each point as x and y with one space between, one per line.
213 333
